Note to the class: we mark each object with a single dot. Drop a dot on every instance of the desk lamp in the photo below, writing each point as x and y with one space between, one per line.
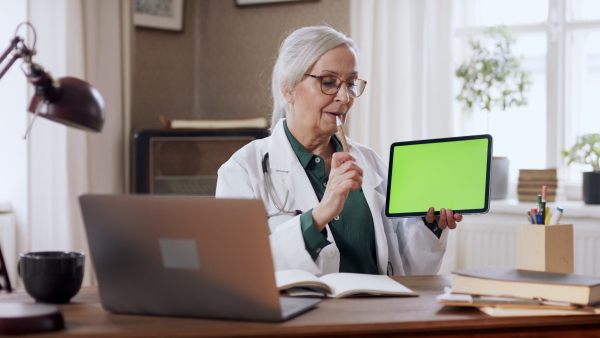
69 101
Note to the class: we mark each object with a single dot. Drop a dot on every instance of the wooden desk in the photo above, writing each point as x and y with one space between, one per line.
412 316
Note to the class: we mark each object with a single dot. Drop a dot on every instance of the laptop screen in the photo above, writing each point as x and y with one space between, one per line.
451 173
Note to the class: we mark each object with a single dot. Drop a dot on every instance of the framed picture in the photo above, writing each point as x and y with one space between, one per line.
163 14
260 2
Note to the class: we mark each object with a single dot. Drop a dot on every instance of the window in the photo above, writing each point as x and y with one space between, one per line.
14 97
559 41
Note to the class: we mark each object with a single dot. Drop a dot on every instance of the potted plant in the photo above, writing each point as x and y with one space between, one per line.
587 151
492 78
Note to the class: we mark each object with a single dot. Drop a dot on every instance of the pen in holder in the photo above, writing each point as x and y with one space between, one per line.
545 247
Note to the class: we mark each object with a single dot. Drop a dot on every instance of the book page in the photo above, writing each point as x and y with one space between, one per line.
348 284
287 279
312 291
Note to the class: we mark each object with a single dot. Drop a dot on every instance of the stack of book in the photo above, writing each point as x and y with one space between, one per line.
531 182
501 291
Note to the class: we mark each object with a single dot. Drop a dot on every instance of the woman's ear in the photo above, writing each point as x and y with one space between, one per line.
288 95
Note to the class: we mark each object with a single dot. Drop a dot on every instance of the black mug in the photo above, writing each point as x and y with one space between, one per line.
52 276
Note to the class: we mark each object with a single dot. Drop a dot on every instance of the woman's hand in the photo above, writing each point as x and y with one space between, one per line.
345 176
446 219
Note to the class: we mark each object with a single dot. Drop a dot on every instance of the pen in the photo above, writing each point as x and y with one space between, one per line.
533 213
556 216
543 211
544 193
340 129
547 216
539 218
530 217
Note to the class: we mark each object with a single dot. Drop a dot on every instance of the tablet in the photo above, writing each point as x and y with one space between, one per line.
451 173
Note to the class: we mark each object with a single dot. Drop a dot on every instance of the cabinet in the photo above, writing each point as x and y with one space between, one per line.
183 161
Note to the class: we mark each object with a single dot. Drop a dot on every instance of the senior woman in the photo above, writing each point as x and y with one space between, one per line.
326 206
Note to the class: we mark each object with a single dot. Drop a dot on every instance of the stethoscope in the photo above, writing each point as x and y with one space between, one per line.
281 210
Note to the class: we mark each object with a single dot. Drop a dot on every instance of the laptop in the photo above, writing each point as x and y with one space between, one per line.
185 256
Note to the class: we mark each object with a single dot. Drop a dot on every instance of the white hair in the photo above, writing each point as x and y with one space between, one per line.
298 52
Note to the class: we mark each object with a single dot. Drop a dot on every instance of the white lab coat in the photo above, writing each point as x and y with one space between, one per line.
405 246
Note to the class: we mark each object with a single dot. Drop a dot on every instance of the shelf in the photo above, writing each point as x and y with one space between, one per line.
575 209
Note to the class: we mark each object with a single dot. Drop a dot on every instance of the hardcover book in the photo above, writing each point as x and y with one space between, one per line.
499 281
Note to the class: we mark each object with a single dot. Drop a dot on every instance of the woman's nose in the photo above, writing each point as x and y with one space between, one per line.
343 94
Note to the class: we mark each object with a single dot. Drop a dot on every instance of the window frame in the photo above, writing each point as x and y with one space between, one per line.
559 127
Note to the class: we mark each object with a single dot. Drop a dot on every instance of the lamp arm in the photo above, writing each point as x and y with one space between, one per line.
10 63
45 85
21 50
13 46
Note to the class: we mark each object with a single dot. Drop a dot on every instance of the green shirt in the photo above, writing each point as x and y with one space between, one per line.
353 229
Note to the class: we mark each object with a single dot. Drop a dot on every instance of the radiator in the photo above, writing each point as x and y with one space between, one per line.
587 252
487 244
484 245
8 243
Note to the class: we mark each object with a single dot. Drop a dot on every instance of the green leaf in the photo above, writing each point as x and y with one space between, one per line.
492 76
586 150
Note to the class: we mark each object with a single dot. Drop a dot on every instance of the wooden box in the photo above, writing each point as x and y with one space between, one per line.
545 247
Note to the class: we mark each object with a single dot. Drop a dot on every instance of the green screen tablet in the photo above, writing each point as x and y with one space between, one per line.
451 173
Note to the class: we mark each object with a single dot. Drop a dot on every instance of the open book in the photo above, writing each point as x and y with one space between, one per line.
338 285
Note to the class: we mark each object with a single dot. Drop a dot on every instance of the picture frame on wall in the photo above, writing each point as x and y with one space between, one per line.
161 14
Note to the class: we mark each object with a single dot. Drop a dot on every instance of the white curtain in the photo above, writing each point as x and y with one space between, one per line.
88 40
406 59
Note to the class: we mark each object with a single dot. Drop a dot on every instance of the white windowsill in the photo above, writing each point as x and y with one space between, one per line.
574 209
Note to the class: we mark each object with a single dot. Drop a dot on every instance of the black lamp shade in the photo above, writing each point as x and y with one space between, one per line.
73 102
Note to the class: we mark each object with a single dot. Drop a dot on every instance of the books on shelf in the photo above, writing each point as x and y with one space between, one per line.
550 286
338 285
259 122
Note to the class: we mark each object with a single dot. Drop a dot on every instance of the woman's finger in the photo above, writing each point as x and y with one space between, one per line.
450 219
442 222
430 218
340 158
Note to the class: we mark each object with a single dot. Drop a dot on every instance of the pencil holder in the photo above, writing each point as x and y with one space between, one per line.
545 247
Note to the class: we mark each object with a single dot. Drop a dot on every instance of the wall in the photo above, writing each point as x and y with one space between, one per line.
220 65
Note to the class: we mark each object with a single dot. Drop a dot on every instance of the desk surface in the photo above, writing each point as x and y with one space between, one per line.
371 316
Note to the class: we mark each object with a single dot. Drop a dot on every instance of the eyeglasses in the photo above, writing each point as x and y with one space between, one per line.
330 85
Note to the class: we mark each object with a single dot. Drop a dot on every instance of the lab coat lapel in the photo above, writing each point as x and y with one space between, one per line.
292 176
376 203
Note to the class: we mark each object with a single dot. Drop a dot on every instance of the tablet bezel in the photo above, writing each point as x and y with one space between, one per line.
486 206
